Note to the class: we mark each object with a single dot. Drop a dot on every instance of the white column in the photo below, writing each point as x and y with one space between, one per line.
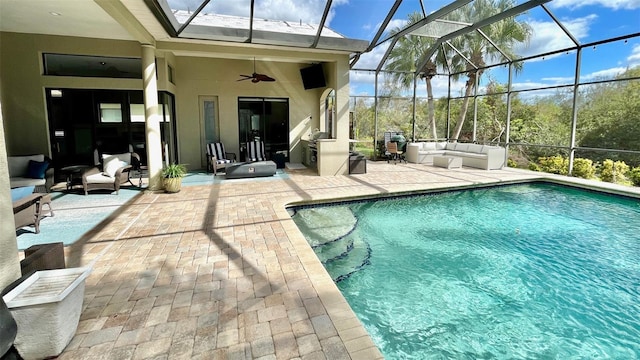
9 260
152 117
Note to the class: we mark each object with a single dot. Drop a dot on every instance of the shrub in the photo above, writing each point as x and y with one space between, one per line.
534 167
512 163
174 171
554 165
583 168
634 176
614 172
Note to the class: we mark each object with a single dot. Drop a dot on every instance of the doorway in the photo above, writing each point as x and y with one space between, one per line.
265 119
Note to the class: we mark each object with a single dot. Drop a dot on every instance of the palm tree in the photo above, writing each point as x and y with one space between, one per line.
505 34
402 62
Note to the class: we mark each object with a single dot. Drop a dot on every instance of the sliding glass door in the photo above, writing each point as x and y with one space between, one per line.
265 119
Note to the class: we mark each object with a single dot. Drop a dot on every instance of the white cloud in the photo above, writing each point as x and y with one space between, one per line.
611 4
547 36
634 58
371 59
395 24
604 74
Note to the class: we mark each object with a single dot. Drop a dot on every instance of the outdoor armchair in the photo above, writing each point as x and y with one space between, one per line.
115 171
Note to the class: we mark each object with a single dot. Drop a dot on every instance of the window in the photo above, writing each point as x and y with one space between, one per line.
170 74
137 112
92 66
110 113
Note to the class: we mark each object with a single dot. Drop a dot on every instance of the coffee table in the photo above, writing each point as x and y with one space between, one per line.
449 162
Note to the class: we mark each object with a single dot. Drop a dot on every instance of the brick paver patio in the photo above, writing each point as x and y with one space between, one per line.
222 272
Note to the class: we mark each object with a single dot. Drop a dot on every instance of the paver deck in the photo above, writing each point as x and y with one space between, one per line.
222 272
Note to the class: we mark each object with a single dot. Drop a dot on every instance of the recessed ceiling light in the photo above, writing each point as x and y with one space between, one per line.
54 13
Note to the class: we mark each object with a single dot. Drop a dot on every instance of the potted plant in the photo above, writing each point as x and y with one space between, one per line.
172 177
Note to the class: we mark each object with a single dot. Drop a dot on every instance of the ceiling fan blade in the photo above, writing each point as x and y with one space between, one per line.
255 77
263 77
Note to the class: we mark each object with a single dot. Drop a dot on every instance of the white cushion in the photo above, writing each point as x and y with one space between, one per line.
15 182
441 145
450 146
126 157
461 147
487 148
426 146
476 148
100 178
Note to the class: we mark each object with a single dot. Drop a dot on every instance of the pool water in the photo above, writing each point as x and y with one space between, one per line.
525 271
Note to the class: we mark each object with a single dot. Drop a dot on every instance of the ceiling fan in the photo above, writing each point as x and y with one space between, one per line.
255 77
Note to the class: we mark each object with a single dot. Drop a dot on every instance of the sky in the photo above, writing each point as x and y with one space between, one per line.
588 21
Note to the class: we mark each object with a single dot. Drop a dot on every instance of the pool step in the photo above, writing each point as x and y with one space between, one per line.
325 224
334 249
329 231
354 259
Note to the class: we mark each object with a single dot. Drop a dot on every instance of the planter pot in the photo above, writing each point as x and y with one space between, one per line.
46 307
172 185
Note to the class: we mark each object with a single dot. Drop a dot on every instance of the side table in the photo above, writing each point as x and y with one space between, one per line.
73 173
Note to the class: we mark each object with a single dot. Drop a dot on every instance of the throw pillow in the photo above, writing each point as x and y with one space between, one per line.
111 165
37 169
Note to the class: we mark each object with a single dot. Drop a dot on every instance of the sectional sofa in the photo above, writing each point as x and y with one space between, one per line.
473 155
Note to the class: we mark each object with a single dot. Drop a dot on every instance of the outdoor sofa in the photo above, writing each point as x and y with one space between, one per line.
479 156
30 170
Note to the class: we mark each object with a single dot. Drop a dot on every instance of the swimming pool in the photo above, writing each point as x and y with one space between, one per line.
522 271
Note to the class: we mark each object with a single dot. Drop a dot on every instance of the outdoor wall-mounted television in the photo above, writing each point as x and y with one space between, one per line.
313 77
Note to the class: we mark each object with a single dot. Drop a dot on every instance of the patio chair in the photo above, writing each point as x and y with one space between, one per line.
115 172
217 157
255 151
394 153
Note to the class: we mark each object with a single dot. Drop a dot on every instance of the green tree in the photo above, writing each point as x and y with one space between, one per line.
402 62
505 34
609 118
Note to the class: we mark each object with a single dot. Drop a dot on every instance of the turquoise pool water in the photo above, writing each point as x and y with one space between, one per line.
532 271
